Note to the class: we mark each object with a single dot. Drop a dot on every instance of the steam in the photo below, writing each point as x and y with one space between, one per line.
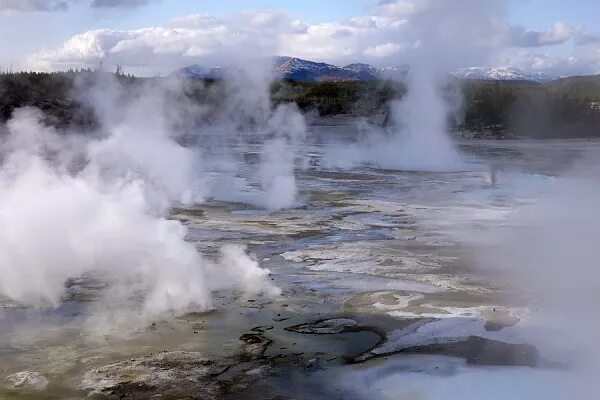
444 36
418 138
139 140
248 120
547 250
550 250
422 130
76 205
278 161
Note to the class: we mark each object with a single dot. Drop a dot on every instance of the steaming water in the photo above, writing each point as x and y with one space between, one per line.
358 236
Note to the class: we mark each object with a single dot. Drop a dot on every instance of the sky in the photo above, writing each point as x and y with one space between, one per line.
150 37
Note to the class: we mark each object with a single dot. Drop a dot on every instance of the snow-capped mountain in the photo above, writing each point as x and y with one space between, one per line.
399 72
299 70
360 68
296 69
200 72
501 74
372 72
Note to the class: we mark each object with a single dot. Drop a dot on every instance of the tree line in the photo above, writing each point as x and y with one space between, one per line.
567 107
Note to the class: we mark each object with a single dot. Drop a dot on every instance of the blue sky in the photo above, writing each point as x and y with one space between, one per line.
541 13
28 31
313 11
531 13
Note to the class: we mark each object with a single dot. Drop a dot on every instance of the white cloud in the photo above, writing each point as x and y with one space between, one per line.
560 33
470 32
33 5
588 39
61 5
383 50
528 60
196 38
400 8
194 21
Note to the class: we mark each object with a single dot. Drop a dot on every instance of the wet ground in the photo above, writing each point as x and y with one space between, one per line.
380 285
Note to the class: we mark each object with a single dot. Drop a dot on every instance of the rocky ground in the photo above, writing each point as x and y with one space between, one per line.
370 269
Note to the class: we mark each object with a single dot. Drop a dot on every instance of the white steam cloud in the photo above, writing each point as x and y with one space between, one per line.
74 205
444 35
550 250
547 251
248 120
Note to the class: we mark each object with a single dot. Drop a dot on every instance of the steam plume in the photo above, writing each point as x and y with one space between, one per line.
74 205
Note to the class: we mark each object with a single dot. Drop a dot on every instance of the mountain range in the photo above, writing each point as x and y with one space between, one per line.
299 70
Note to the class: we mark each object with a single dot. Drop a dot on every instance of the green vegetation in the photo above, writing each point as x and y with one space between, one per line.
567 107
31 88
331 98
563 108
53 93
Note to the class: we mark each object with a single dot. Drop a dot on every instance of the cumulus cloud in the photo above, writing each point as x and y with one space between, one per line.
383 50
588 39
200 20
387 35
376 39
560 33
399 8
531 60
195 38
34 5
62 5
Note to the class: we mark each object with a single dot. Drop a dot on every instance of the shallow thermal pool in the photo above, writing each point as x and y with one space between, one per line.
382 261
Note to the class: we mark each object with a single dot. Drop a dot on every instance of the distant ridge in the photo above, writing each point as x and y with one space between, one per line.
299 70
296 69
200 72
502 74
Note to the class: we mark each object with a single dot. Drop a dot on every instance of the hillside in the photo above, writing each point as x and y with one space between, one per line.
501 74
562 108
299 70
